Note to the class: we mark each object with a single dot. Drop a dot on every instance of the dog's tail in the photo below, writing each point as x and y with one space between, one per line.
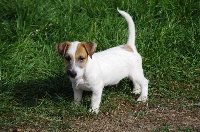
131 29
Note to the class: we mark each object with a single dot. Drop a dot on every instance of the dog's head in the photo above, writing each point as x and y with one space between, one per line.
76 55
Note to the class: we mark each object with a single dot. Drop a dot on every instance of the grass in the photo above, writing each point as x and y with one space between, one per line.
35 94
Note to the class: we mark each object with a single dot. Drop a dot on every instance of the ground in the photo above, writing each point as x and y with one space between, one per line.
127 117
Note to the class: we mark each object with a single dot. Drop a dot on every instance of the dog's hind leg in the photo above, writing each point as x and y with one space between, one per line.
144 89
137 88
140 85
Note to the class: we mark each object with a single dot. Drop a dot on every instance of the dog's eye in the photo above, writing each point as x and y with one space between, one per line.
67 58
81 58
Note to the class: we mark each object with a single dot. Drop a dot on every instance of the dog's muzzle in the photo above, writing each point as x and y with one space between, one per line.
72 73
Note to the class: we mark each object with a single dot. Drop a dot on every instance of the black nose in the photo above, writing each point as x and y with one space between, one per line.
71 73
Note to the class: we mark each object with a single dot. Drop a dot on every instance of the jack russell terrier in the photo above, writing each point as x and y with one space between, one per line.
93 71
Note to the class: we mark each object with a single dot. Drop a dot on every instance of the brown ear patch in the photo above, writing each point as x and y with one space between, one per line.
128 48
63 47
89 47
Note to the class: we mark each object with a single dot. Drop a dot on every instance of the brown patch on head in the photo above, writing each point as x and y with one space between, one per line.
89 47
63 47
128 48
81 55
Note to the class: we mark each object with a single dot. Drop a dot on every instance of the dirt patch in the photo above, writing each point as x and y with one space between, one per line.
124 117
141 118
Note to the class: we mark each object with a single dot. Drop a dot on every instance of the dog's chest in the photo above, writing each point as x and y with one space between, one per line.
82 84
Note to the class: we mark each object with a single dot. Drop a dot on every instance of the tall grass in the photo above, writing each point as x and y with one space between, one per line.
34 88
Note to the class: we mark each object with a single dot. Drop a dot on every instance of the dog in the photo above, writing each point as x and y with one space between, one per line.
92 71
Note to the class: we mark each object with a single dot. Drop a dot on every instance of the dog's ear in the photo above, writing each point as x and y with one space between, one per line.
63 47
90 48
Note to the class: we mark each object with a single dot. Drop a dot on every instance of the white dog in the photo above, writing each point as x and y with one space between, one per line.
92 71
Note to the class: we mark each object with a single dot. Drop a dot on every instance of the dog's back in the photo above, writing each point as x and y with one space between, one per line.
116 63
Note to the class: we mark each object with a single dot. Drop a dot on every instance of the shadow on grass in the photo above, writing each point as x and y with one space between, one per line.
28 94
55 88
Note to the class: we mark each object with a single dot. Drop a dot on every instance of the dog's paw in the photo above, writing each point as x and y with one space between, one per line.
142 99
95 111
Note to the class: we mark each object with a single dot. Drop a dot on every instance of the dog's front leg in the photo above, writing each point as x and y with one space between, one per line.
96 99
77 95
